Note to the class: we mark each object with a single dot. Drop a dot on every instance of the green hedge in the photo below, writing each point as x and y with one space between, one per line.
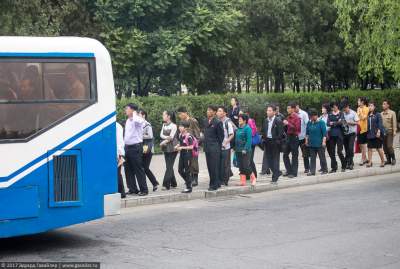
255 103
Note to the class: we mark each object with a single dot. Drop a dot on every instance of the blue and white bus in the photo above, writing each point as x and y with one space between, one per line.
57 134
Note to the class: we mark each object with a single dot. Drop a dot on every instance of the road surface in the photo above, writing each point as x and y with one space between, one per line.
349 224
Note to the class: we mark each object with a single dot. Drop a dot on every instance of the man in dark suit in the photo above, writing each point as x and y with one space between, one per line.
213 138
272 135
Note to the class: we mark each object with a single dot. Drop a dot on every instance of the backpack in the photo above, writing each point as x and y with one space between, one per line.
195 143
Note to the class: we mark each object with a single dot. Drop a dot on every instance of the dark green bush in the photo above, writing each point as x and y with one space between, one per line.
255 103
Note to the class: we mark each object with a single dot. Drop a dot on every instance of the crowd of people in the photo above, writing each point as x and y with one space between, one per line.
230 137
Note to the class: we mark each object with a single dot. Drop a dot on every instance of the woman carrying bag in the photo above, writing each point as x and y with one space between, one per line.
148 149
168 144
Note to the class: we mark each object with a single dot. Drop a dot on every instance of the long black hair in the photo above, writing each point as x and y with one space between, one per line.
171 115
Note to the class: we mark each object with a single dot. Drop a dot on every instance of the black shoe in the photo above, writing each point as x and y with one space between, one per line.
333 171
155 188
350 167
143 193
212 189
309 174
133 192
263 173
187 191
286 174
123 195
290 176
306 171
343 169
320 170
393 161
324 172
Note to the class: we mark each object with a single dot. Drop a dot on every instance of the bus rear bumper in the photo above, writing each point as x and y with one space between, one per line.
112 204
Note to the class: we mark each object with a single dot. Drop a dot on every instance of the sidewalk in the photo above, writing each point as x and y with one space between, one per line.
263 182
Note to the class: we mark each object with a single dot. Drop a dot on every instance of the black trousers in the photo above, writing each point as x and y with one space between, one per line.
146 164
213 165
265 166
292 146
252 163
313 156
306 154
134 158
185 158
348 141
169 176
121 188
130 179
225 171
272 150
335 143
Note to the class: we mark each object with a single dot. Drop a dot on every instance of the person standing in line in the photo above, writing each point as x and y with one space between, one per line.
213 138
169 141
185 148
390 124
120 158
225 162
316 141
148 149
243 150
252 124
302 138
278 114
234 112
293 129
362 112
350 132
335 122
194 130
134 146
375 134
272 135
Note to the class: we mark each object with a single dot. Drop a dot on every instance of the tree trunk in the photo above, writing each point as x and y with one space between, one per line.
238 85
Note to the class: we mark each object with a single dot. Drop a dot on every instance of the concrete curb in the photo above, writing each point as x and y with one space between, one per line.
261 187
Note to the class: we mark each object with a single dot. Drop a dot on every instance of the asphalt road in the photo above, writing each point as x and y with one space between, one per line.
349 224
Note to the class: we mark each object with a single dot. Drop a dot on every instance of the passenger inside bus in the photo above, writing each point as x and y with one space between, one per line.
77 89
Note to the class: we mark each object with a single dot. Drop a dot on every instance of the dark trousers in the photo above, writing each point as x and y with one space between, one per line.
185 158
225 171
335 143
313 156
194 168
272 150
292 146
169 176
130 179
306 154
388 145
213 166
244 163
121 188
134 158
252 163
146 164
348 142
265 169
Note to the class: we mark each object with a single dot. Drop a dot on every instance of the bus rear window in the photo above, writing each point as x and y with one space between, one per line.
36 94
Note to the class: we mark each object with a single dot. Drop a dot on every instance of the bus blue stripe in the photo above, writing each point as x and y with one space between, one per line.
48 54
44 156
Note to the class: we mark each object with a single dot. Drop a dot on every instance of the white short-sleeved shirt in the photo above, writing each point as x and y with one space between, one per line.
352 117
228 130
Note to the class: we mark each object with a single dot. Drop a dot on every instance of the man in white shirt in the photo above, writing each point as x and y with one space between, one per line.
302 138
225 162
134 148
350 132
120 158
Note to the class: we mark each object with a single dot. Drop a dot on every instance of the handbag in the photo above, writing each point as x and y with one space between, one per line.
256 139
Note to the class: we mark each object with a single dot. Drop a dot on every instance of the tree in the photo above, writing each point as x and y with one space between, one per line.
372 29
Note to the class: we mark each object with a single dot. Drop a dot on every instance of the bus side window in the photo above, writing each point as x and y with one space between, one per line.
68 80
